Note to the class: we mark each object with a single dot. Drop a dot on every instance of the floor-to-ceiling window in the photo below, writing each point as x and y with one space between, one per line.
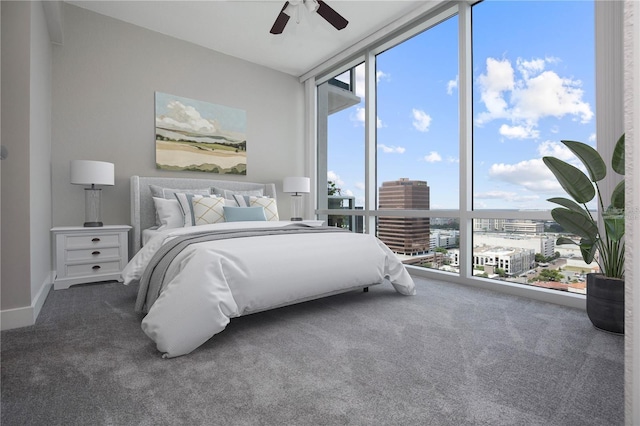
471 203
533 85
417 165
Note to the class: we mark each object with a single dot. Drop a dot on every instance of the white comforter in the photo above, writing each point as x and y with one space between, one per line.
211 282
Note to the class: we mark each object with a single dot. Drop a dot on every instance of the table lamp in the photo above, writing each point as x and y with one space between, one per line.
87 172
296 186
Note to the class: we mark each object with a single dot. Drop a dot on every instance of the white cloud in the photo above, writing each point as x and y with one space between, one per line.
592 137
498 79
359 115
334 177
391 149
451 85
453 160
494 195
347 192
550 95
432 157
380 75
184 117
518 132
529 95
359 185
505 196
527 68
555 149
530 174
421 120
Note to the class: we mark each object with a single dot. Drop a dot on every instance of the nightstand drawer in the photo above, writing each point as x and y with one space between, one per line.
97 254
83 241
93 269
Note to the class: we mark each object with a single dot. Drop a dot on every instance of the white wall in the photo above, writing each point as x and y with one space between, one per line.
40 152
104 77
26 194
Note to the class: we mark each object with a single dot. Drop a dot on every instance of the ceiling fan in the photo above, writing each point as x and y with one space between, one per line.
318 6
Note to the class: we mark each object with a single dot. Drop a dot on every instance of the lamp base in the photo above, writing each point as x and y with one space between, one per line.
93 224
296 219
92 207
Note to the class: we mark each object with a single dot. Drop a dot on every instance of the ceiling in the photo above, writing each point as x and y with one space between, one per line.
240 28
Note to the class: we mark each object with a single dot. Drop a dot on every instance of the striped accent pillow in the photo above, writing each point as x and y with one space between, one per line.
185 200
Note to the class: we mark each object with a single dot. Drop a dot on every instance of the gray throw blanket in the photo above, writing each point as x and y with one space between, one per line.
153 276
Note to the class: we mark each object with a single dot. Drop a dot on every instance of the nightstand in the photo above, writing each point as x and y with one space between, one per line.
91 254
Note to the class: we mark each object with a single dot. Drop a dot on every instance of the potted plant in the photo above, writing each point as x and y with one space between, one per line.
603 241
335 202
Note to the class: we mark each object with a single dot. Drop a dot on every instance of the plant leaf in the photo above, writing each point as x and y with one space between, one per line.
590 158
617 197
570 204
565 240
575 223
617 160
588 250
614 226
572 180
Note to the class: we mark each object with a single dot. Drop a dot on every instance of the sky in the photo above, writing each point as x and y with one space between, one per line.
533 85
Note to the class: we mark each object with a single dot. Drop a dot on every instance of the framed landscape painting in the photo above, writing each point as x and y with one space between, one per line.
194 135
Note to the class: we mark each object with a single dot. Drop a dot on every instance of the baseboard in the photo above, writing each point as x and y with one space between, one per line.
27 315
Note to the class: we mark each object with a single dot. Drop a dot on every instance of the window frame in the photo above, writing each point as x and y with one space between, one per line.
366 51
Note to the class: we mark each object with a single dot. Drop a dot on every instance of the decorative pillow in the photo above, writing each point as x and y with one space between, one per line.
207 210
168 213
168 193
269 204
185 200
240 214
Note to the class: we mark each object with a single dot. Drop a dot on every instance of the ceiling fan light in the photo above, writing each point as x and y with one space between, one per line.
311 5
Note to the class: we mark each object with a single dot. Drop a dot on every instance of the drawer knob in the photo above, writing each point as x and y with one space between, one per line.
95 240
96 267
95 253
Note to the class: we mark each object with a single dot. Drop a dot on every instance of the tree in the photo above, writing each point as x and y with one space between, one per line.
550 275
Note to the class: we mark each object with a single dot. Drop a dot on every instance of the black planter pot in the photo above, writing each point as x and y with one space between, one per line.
605 302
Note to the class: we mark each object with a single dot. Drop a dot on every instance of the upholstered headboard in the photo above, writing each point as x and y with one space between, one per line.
143 212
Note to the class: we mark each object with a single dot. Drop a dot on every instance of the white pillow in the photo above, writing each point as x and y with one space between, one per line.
207 210
168 213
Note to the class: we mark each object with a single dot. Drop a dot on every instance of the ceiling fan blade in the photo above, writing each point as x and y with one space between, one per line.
332 17
281 21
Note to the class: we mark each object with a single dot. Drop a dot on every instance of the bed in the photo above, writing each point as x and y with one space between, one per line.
194 277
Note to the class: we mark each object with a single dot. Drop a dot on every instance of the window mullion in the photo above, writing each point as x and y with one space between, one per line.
466 138
370 143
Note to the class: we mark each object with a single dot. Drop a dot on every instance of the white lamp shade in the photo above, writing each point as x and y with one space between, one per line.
296 184
87 172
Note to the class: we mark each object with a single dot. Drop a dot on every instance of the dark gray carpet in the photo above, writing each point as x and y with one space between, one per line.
450 355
